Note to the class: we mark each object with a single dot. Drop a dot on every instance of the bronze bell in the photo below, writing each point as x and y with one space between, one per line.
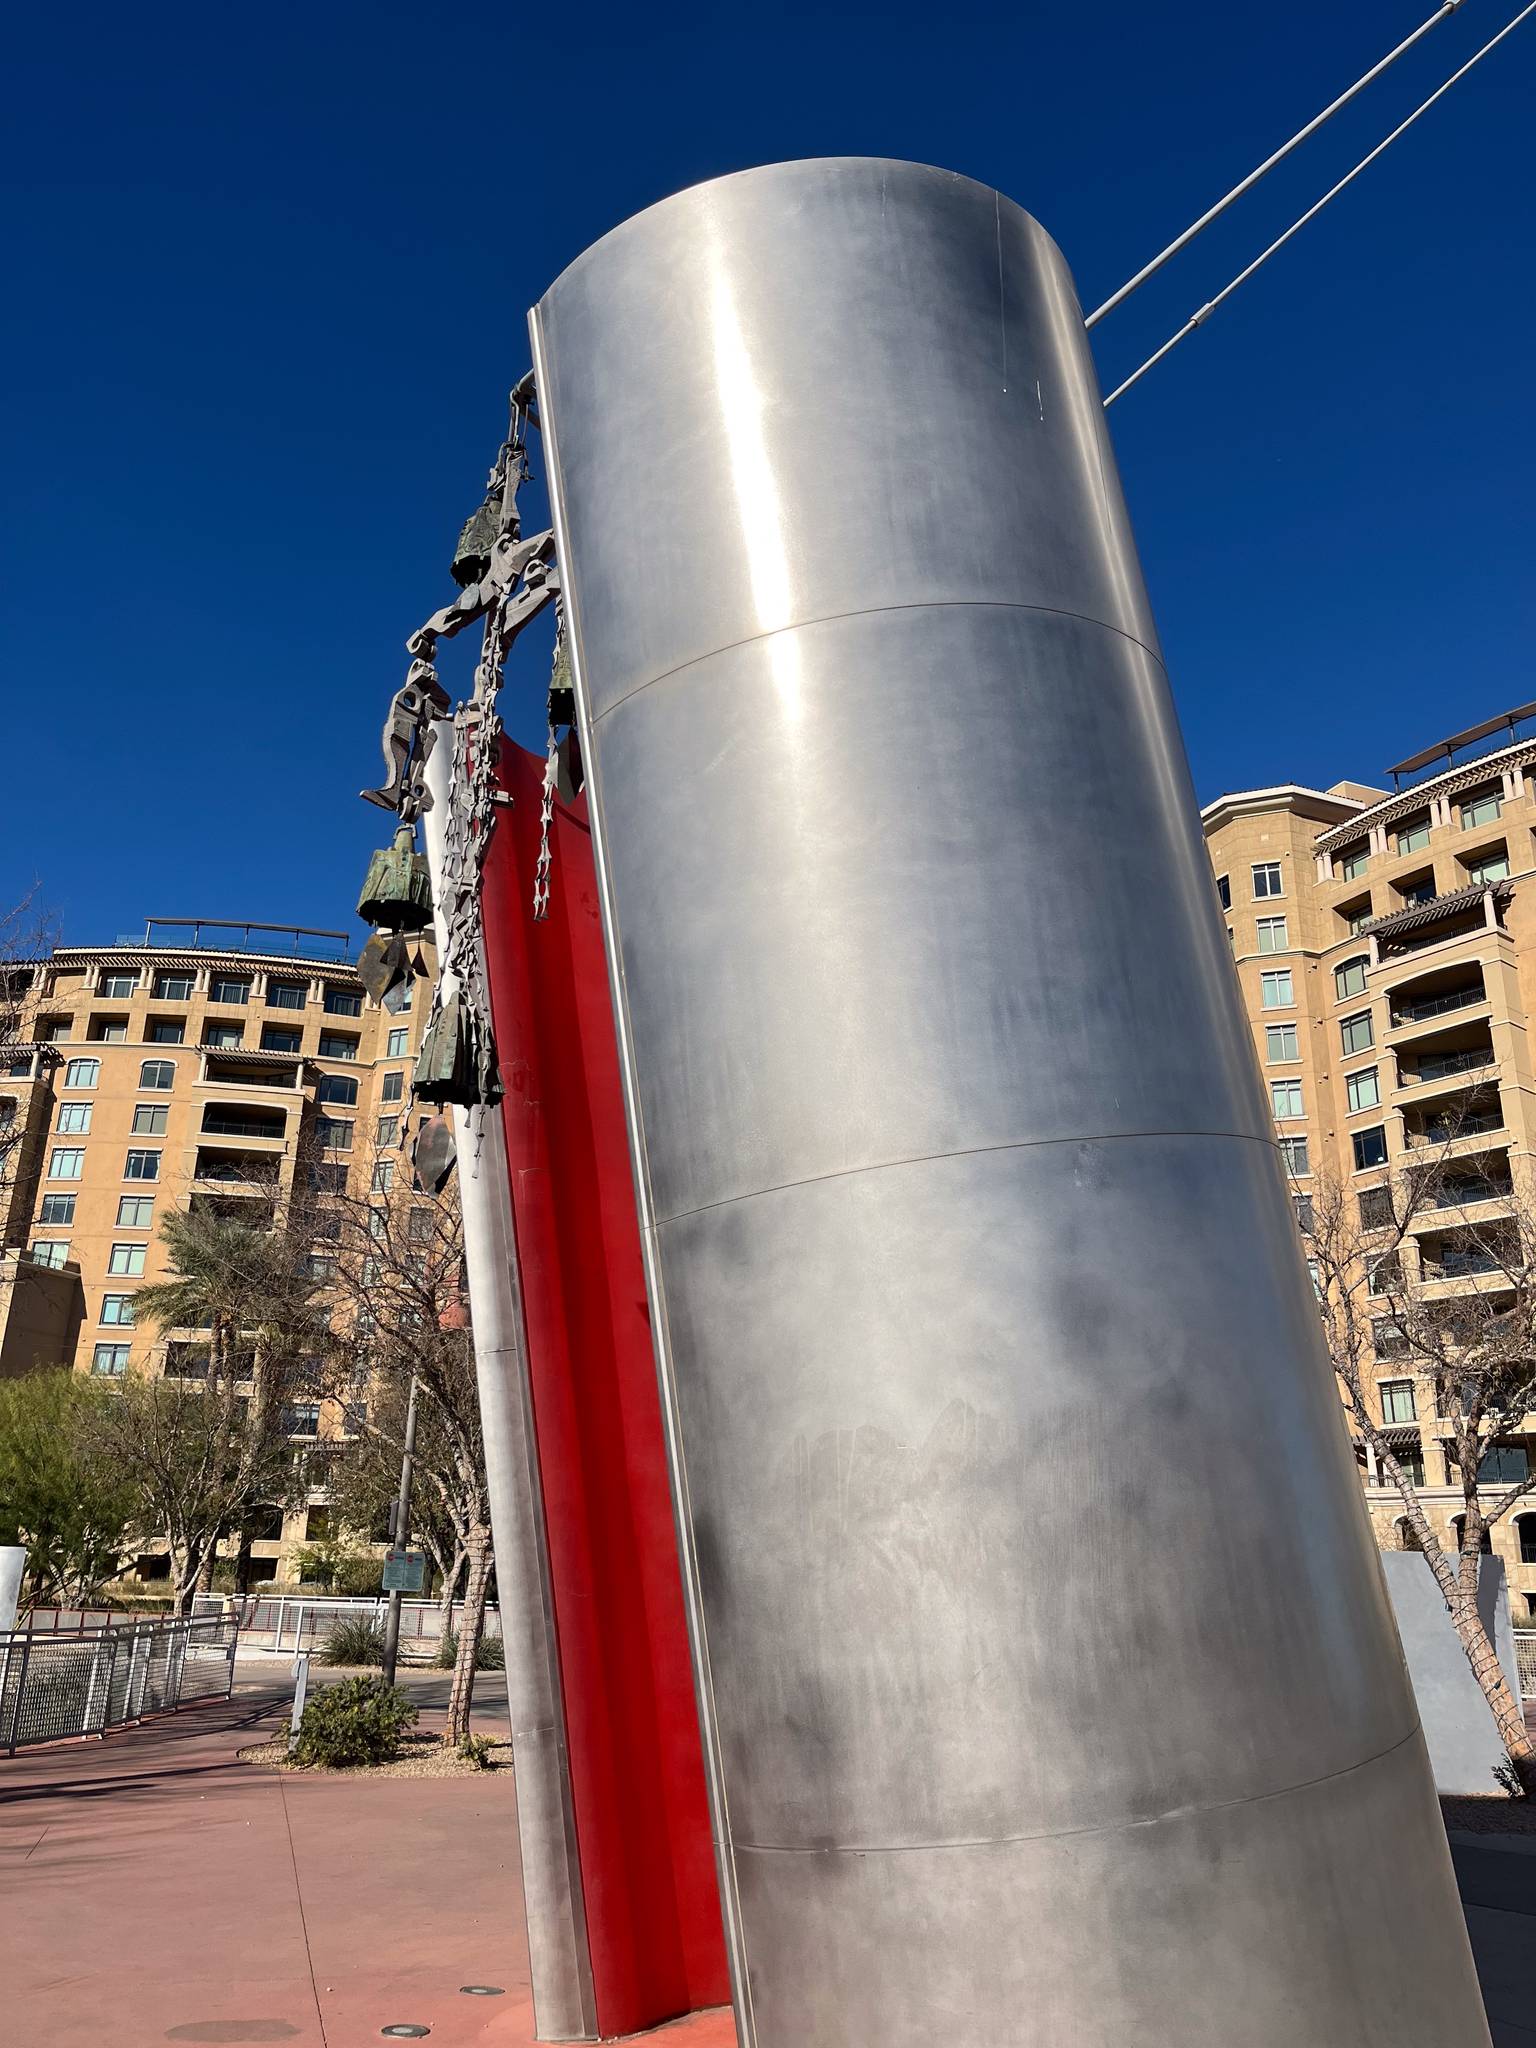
472 557
454 1064
397 895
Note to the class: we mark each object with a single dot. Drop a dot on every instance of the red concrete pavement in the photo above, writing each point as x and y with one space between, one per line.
156 1890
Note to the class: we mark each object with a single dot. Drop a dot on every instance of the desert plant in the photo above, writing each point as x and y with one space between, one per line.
356 1639
358 1721
490 1653
476 1750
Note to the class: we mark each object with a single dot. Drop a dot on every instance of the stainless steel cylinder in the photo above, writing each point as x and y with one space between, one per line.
1050 1686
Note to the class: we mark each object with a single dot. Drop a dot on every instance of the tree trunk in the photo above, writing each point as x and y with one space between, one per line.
462 1693
447 1593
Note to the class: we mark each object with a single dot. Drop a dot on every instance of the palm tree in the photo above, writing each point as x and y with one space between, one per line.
251 1291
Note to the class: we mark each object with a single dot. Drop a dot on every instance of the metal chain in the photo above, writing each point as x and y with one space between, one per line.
547 796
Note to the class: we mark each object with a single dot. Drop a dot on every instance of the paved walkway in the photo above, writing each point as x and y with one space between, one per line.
156 1890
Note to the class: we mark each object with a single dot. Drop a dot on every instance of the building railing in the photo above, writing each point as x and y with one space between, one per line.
54 1686
1444 1065
1446 1130
1438 1005
217 1125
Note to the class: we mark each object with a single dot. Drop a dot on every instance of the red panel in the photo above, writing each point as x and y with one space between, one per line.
642 1823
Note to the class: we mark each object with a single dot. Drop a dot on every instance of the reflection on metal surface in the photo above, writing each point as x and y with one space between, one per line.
997 1404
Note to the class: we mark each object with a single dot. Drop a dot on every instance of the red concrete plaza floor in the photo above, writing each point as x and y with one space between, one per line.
156 1890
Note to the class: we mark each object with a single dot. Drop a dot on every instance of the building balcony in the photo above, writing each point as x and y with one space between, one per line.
1455 1068
267 1127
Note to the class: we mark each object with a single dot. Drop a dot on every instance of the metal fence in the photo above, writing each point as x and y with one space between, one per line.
304 1621
1525 1661
53 1686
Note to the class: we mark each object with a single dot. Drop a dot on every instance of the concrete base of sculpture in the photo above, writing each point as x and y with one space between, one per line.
1464 1745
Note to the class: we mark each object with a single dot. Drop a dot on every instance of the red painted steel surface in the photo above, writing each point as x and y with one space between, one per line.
642 1821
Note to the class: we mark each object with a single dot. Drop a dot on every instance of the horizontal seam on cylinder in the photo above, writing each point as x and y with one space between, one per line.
1118 1827
964 1152
876 611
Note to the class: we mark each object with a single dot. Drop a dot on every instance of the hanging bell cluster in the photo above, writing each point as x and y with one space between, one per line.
397 898
457 1062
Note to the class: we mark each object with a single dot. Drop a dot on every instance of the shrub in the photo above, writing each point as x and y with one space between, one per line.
356 1639
358 1721
490 1652
476 1750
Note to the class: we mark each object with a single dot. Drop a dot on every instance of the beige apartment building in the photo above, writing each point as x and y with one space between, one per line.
1385 943
205 1066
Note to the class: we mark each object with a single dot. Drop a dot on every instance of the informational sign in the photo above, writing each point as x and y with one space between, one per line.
405 1571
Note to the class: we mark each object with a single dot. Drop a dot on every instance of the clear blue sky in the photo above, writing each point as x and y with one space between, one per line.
268 270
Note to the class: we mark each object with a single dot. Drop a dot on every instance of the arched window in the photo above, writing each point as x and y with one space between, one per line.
1458 1525
1407 1535
1526 1525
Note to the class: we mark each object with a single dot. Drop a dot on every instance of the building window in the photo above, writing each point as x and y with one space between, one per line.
57 1209
1275 991
1294 1153
1357 917
134 1211
393 1089
1285 1096
1223 896
19 1067
340 1089
1375 1208
342 1002
149 1119
1266 879
227 989
111 1359
1302 1204
48 1252
142 1166
1413 834
127 1260
82 1073
1488 867
1272 937
1370 1147
328 1176
1383 1274
419 1227
117 988
166 1031
1526 1524
173 988
1280 1042
117 1308
327 1227
157 1074
337 1045
286 995
1480 809
1388 1341
109 1030
1349 977
1353 862
1357 1032
383 1176
279 1038
1503 1465
334 1133
223 1037
1363 1090
74 1117
321 1268
388 1133
302 1418
398 1044
1397 1401
65 1162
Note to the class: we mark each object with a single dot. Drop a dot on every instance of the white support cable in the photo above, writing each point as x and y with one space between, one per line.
1197 319
1183 241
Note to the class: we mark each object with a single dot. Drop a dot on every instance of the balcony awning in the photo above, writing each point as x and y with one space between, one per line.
1397 922
1397 1436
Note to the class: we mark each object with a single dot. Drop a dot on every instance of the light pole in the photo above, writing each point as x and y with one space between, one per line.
400 1536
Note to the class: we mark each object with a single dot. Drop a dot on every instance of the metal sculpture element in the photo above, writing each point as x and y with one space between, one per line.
1049 1686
